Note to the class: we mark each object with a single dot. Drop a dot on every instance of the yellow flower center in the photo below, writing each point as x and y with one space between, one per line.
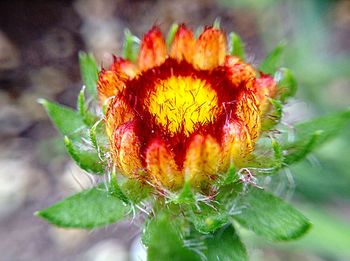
180 103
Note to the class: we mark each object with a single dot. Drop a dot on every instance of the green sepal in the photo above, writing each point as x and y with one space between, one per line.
207 219
186 195
85 157
227 194
278 153
66 120
217 23
131 46
115 190
98 137
268 158
287 84
231 175
272 117
89 209
236 46
270 216
88 118
311 134
134 190
272 61
89 72
81 102
171 34
225 244
198 31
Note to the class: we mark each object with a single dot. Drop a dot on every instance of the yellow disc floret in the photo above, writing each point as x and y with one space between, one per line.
179 103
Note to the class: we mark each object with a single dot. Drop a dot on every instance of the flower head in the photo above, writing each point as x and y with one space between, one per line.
186 112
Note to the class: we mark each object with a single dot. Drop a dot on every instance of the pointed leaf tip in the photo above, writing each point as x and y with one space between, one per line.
171 34
131 46
89 72
236 46
287 83
273 60
217 23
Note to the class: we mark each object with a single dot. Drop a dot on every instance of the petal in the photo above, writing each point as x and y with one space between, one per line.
110 83
240 73
202 161
125 150
161 166
264 88
153 50
236 144
118 113
248 111
125 66
183 45
210 49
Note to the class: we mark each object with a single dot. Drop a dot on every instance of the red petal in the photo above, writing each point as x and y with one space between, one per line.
183 46
161 166
153 50
202 161
210 49
264 88
110 83
236 144
125 150
117 114
239 72
125 66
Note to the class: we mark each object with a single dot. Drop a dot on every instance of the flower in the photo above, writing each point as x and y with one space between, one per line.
183 113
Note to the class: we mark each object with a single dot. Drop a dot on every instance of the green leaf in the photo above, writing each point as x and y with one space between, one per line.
313 133
66 120
225 245
164 242
131 46
287 83
270 216
89 72
236 46
86 158
88 209
272 61
171 34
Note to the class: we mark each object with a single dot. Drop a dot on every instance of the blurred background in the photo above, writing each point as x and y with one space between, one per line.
39 44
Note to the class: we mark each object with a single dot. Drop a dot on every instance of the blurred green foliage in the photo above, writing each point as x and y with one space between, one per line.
315 56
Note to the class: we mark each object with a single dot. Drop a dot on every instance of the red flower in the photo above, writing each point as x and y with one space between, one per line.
183 113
